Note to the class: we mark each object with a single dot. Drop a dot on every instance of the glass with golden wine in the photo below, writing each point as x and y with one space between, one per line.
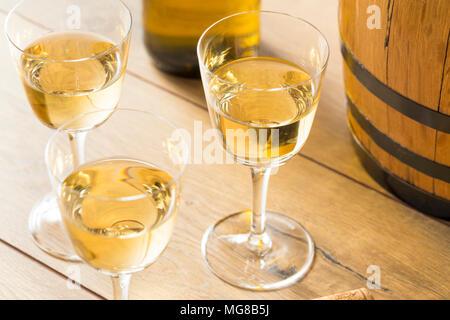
262 88
71 57
120 204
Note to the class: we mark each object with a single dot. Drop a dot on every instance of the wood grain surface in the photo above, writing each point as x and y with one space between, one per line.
409 55
354 222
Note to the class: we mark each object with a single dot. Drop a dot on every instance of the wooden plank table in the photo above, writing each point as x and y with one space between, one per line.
354 222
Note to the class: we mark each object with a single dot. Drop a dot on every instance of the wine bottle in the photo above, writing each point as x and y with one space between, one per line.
173 27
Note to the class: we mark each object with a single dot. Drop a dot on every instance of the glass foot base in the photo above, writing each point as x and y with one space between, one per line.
226 252
48 231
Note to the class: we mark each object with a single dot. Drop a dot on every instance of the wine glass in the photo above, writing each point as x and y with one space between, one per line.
71 57
120 204
262 74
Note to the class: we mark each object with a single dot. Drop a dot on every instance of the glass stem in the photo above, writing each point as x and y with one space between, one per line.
77 141
121 283
259 241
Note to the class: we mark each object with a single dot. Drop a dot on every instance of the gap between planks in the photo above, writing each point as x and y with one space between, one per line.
48 267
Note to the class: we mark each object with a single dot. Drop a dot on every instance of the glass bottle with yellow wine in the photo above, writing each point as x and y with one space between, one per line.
173 27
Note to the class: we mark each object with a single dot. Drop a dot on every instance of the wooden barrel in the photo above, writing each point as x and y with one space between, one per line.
396 72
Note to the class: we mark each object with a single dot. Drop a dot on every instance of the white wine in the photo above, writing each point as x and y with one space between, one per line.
172 29
119 213
264 109
59 88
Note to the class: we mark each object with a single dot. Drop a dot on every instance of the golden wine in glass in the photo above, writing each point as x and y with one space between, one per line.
119 236
277 123
120 205
262 90
58 91
71 57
